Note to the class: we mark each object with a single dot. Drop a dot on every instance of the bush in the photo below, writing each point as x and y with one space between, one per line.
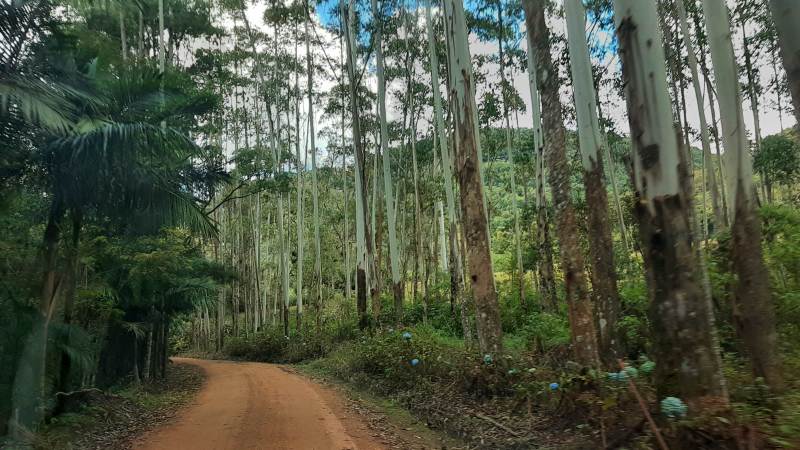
545 332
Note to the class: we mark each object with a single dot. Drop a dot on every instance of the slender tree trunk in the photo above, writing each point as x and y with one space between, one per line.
388 195
300 217
140 49
456 274
752 85
754 310
123 38
347 270
710 184
601 250
719 170
714 129
361 214
412 139
547 284
688 363
314 185
584 336
509 154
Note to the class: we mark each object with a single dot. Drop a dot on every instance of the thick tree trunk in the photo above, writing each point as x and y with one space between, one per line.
756 316
468 163
786 15
581 314
601 250
688 363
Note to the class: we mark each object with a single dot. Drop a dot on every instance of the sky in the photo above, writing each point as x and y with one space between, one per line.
614 106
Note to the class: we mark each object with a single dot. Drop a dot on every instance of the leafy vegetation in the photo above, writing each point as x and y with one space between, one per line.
372 191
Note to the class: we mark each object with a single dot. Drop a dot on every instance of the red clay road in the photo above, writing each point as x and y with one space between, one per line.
260 406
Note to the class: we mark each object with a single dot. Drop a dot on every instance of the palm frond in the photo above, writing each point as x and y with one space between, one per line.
38 102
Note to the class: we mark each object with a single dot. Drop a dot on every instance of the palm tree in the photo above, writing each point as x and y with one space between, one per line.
118 161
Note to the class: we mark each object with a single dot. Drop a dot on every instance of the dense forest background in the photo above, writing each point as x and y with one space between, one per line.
507 199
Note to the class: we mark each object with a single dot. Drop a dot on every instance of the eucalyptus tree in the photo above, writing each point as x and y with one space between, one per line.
786 16
388 195
547 284
688 361
446 157
468 167
756 320
313 147
744 14
710 184
579 302
365 261
272 100
591 143
507 94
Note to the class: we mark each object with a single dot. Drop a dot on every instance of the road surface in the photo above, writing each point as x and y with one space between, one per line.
261 406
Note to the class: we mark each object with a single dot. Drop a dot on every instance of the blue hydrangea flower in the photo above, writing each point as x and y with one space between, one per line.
407 335
414 362
673 407
618 376
554 386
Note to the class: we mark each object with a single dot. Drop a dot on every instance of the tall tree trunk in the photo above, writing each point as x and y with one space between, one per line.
70 285
601 250
456 274
300 216
314 185
710 184
755 314
719 170
688 363
412 139
360 177
547 284
123 38
509 154
786 15
140 49
468 164
698 24
584 337
347 271
388 192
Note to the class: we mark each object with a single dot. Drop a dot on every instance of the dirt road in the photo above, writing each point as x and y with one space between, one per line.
261 406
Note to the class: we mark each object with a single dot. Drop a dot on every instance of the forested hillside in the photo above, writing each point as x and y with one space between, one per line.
545 223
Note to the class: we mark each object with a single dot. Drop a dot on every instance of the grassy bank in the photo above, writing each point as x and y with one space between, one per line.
113 419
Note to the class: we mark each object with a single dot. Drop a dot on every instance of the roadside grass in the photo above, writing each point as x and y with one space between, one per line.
114 418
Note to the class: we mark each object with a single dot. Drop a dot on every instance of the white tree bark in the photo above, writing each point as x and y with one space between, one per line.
710 183
312 144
